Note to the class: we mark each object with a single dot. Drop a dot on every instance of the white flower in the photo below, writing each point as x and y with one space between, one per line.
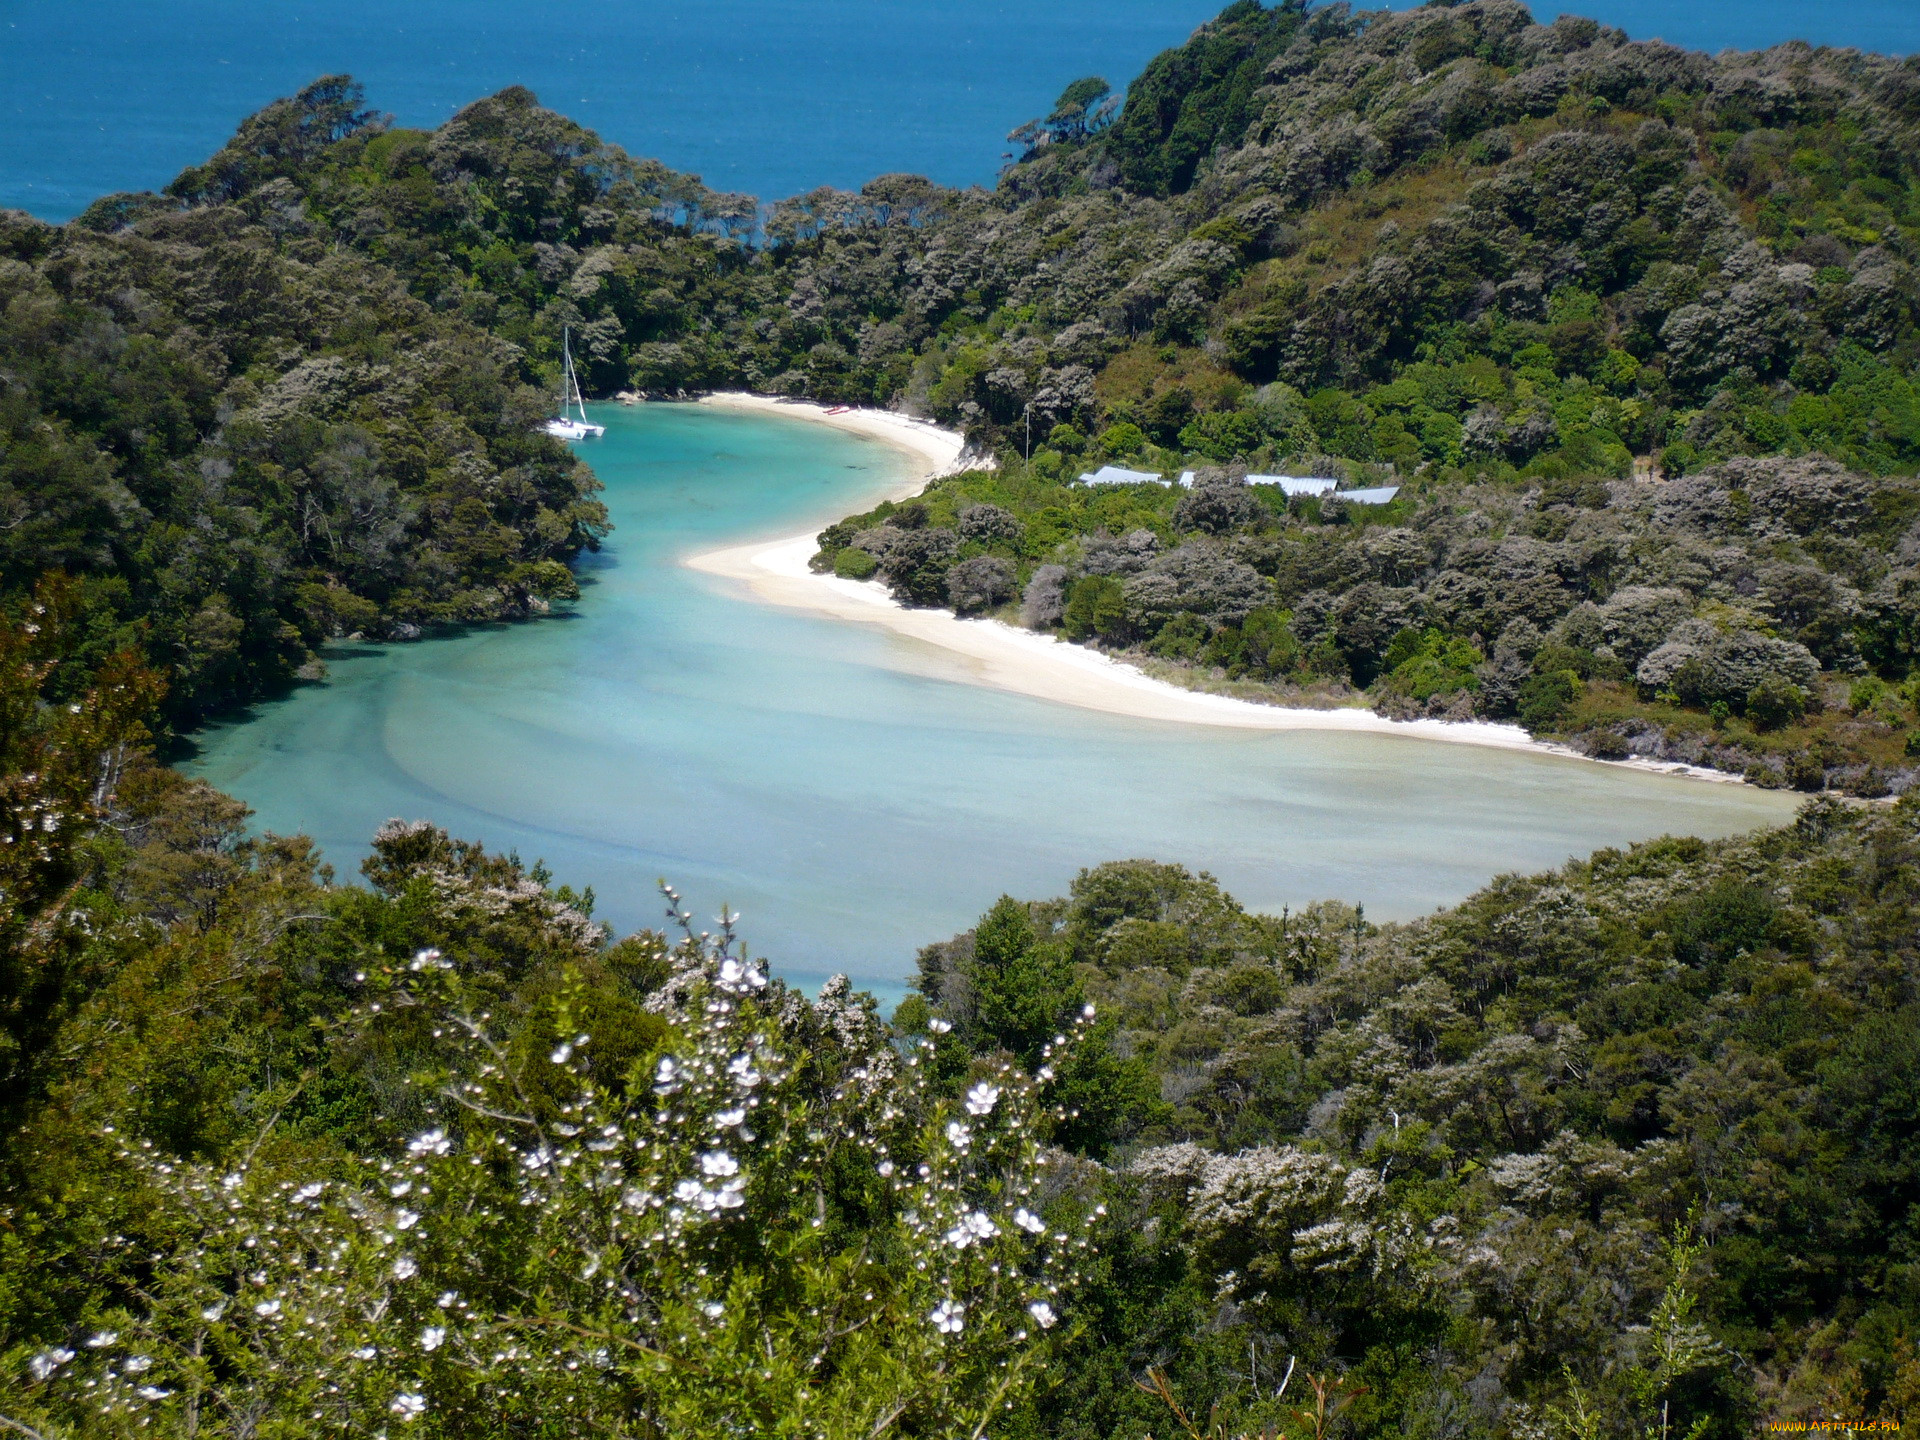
739 977
718 1162
434 1142
972 1227
405 1219
48 1361
408 1407
152 1392
982 1098
687 1191
309 1192
403 1188
365 1352
1086 1011
713 1309
429 960
958 1135
267 1307
447 1297
948 1318
939 1027
561 1053
886 1167
138 1364
101 1339
431 1337
666 1079
727 1119
404 1268
1043 1313
231 1182
1029 1222
214 1312
742 1071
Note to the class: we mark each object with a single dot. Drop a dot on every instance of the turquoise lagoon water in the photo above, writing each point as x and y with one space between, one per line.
845 788
769 96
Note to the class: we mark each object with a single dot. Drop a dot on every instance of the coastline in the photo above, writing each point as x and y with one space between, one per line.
775 571
938 451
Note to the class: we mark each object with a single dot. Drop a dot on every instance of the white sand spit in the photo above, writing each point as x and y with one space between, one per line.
1001 655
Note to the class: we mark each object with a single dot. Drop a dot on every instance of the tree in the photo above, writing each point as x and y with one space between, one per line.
1023 986
769 1221
61 765
980 583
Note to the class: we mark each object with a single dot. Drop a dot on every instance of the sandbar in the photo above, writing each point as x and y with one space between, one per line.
1028 663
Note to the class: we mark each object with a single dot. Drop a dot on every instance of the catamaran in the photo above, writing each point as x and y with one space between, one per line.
563 426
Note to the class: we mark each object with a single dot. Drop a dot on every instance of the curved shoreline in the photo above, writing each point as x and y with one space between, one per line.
776 572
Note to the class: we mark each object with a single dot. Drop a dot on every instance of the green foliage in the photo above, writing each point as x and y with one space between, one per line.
854 563
1190 102
1545 699
1096 606
1023 986
1686 1068
1775 702
1422 664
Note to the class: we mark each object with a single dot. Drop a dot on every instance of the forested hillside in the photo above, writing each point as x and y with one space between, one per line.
1620 1150
1626 1146
1534 274
240 442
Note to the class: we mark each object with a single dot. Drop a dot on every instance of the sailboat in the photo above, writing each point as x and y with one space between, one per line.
563 426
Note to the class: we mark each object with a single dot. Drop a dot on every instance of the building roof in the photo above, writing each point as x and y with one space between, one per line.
1115 475
1295 484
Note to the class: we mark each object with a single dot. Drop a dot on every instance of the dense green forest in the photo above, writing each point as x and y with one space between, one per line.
1537 275
1626 1149
1622 1150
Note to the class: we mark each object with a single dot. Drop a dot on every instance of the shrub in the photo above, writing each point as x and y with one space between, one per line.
916 564
1775 702
1805 772
988 523
1546 698
1044 605
1218 504
1181 638
854 564
1423 664
1608 744
555 1242
1096 605
980 583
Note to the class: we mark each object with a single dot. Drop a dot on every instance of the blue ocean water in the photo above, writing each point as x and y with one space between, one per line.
849 789
767 96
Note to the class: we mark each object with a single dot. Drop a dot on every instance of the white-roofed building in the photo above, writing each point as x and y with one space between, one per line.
1379 495
1295 484
1115 475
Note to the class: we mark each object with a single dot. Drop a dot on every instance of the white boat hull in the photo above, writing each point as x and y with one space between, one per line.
563 426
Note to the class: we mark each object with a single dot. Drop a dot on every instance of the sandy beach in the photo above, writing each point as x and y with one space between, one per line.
1001 655
938 450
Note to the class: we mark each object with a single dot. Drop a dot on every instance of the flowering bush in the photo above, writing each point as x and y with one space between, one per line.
771 1224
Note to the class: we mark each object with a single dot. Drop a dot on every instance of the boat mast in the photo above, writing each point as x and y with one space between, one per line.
569 384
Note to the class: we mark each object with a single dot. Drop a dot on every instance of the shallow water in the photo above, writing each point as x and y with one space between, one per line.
770 96
841 785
